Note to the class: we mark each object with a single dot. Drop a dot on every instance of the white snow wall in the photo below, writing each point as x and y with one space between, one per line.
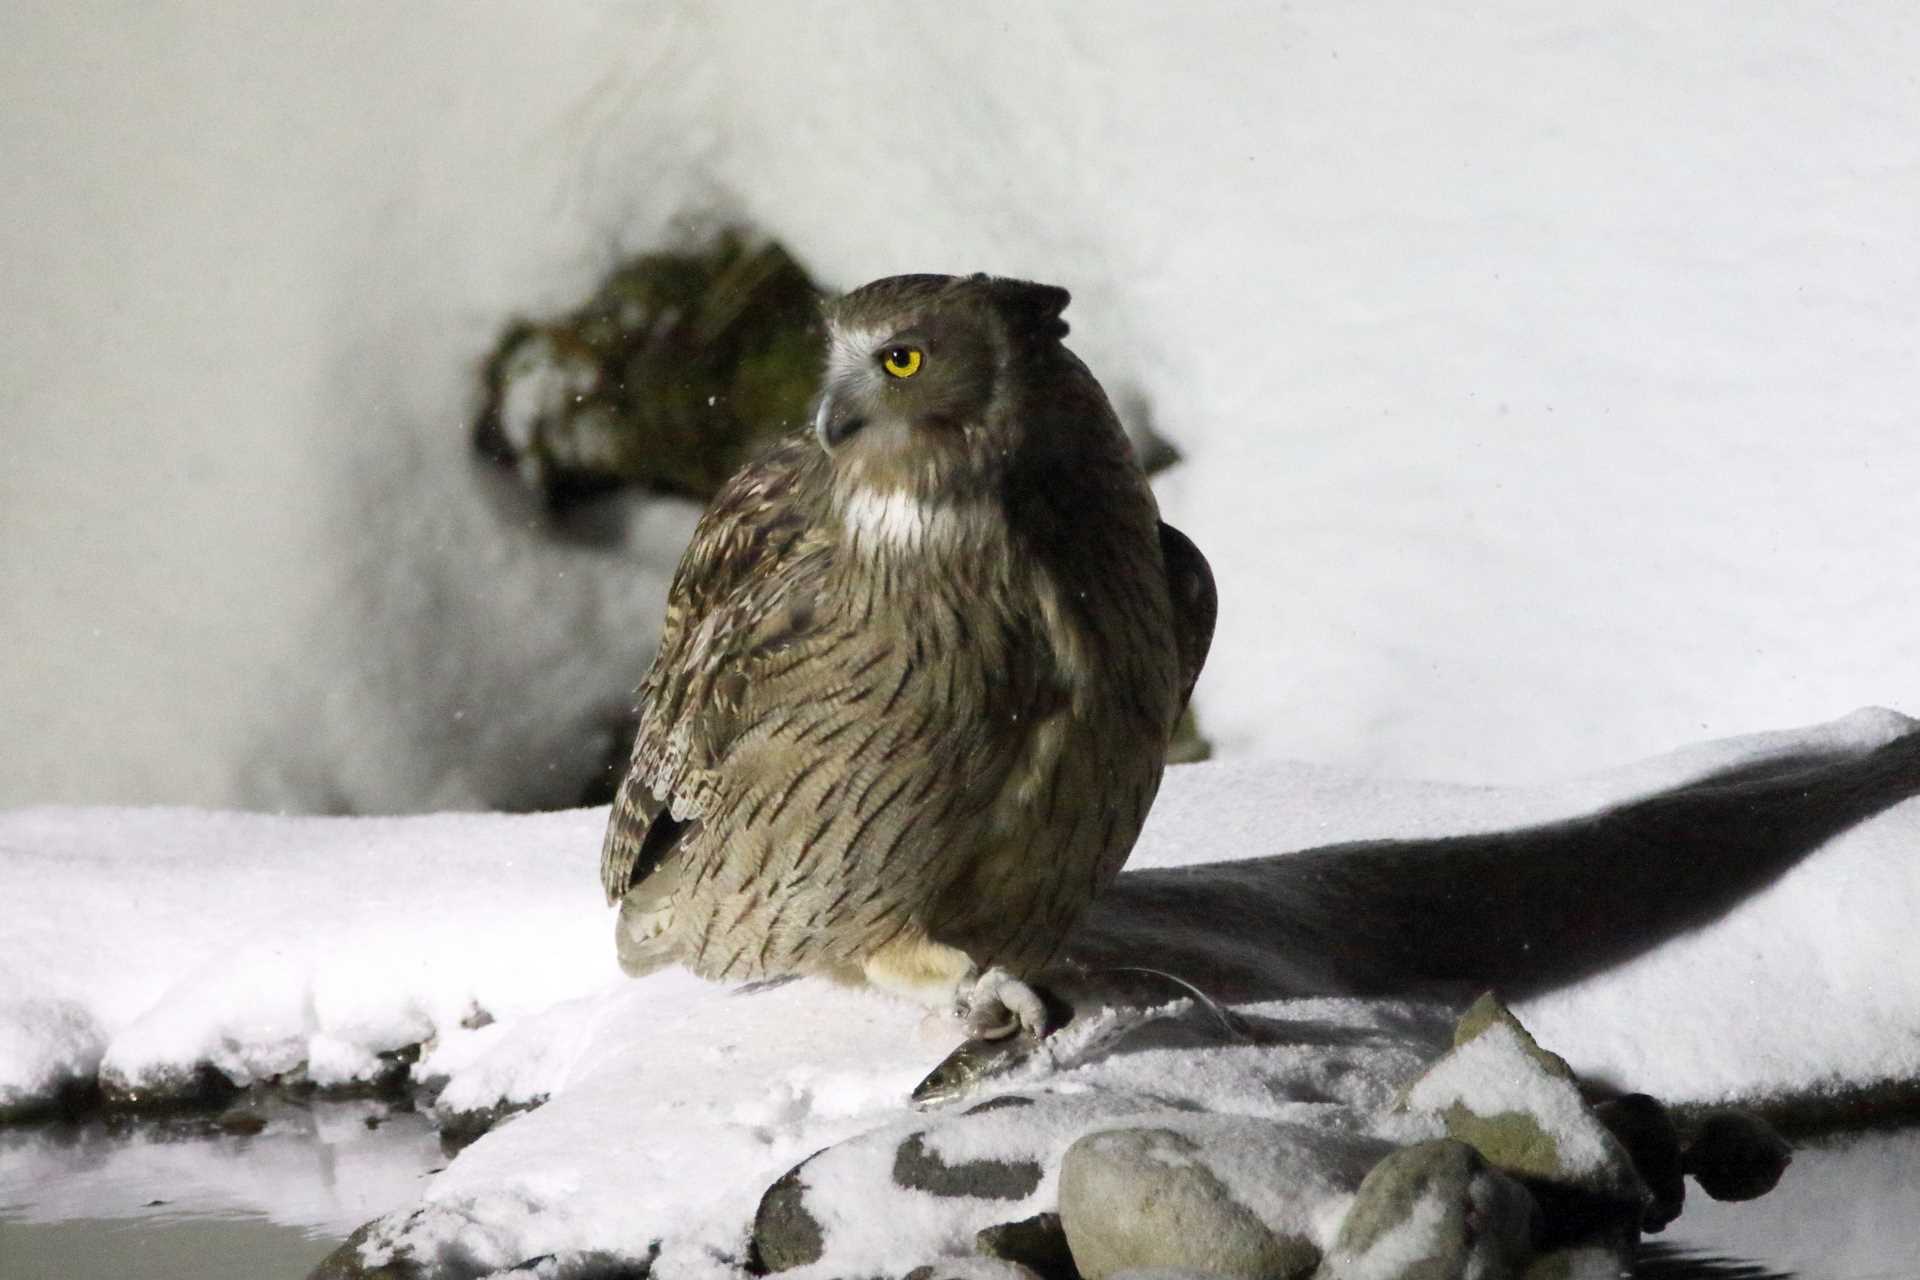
1550 380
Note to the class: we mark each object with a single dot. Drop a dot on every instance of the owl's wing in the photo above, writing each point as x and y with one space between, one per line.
735 583
1195 605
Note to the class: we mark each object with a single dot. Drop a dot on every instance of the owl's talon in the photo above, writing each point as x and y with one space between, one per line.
1000 1005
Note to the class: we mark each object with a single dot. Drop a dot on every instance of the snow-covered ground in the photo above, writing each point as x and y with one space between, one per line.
1547 375
142 943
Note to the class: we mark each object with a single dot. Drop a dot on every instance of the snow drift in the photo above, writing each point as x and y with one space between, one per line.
1545 376
258 944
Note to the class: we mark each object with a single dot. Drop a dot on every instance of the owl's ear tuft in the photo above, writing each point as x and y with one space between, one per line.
1033 309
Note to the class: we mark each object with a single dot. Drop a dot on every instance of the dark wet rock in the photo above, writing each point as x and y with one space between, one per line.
917 1168
241 1122
1652 1141
1038 1243
1188 746
1154 452
971 1269
461 1129
1434 1211
198 1088
678 369
946 1176
202 1097
346 1263
1133 1198
1735 1155
71 1101
582 1265
785 1233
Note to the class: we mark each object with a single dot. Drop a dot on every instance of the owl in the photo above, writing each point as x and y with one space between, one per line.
918 673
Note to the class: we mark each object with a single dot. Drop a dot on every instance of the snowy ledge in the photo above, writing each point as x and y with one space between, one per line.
1728 924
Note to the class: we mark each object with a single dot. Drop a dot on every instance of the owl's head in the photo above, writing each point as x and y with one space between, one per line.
922 373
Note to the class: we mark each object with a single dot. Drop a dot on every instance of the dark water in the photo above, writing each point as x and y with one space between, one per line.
190 1204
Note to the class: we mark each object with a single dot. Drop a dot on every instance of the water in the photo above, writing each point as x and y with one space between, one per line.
189 1199
212 1247
189 1202
1848 1208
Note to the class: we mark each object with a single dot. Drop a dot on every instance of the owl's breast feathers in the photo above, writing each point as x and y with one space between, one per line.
942 720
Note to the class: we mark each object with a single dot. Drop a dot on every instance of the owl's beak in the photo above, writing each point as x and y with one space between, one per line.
834 421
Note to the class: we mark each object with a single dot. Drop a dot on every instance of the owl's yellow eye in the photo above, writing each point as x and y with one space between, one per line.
901 362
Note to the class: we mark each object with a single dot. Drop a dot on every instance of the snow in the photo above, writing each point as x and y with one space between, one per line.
1814 932
44 1044
255 942
1545 375
1413 1240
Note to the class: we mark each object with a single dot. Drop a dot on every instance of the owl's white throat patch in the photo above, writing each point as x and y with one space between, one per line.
895 518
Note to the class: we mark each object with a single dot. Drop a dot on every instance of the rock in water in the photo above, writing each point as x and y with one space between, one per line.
972 1269
1645 1129
1736 1155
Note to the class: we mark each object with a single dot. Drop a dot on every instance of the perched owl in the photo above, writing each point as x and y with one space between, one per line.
918 673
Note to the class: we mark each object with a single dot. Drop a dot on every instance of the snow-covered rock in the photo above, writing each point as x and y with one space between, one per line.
1497 1091
1223 1194
1434 1209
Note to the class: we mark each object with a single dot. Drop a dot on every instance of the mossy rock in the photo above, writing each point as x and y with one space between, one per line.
679 368
1188 746
1519 1106
1490 1011
1434 1211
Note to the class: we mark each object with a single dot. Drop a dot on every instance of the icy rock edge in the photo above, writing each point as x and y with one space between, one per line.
1484 1162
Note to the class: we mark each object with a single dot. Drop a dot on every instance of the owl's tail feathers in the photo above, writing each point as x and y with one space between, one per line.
642 934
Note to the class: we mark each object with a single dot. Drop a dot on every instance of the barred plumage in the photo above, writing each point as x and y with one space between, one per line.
919 668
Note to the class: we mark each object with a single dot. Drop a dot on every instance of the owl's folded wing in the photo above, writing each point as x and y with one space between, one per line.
734 578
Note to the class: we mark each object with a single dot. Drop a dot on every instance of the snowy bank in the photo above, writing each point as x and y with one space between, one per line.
1545 372
1759 949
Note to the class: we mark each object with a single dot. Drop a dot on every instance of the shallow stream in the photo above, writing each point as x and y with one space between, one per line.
189 1201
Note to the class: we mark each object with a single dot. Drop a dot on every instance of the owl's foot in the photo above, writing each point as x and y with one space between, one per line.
1000 1005
992 1005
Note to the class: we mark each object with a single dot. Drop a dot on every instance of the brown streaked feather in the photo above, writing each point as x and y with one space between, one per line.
730 575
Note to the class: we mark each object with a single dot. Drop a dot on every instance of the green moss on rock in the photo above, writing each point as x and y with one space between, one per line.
679 368
1490 1011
